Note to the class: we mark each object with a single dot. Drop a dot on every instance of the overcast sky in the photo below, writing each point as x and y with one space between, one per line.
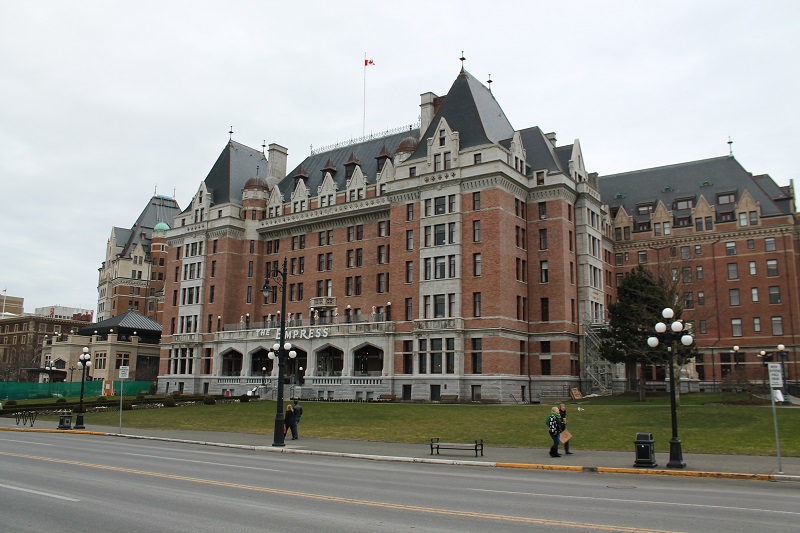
103 102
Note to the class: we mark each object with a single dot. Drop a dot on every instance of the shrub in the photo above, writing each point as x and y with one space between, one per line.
101 399
209 400
11 402
61 400
127 406
176 394
140 397
169 401
244 398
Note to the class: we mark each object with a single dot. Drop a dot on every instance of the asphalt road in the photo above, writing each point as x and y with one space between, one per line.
72 482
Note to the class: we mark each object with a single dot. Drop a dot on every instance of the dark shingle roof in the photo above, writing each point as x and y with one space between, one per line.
707 177
158 209
366 153
540 152
126 323
235 165
471 110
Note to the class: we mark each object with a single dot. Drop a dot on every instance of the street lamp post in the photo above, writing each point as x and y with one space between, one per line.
84 362
672 335
280 350
71 370
49 369
782 355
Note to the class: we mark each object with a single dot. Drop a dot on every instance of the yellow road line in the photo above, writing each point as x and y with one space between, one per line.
353 501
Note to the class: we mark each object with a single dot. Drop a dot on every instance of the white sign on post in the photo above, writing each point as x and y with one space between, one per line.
775 375
124 372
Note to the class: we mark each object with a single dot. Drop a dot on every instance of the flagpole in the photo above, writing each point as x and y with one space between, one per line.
364 119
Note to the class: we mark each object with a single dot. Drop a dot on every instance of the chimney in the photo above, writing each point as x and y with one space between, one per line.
427 112
276 161
551 137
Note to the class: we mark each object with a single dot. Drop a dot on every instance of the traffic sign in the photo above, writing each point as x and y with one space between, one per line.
124 372
775 375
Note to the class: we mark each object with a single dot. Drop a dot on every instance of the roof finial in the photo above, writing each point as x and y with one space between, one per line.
730 147
231 135
462 58
257 170
264 147
489 81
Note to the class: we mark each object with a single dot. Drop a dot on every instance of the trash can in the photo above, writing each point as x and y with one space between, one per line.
645 450
65 419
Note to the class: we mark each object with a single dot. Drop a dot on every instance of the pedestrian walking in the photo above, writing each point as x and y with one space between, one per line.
554 428
298 413
562 412
288 422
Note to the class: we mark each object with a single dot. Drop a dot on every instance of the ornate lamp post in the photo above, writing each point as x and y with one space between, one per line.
49 369
672 335
84 362
280 350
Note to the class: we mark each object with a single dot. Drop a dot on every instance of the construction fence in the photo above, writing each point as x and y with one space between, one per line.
30 391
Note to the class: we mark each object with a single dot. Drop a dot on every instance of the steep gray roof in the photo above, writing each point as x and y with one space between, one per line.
707 177
366 153
235 165
540 152
158 209
471 110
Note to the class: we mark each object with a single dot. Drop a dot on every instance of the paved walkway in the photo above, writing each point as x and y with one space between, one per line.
698 465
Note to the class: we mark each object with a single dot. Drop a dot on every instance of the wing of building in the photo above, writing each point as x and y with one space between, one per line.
463 259
132 276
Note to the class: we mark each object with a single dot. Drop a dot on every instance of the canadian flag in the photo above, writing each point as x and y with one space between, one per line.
368 62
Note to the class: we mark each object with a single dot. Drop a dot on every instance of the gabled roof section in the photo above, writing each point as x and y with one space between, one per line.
470 109
689 180
540 152
235 165
158 209
365 152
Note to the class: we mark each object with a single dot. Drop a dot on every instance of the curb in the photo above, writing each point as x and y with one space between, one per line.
458 462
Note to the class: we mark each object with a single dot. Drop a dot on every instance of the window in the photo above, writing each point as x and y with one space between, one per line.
733 296
383 228
545 309
410 239
685 252
409 306
754 294
476 304
777 325
383 254
542 210
618 259
409 212
757 324
643 257
684 203
437 162
544 272
701 298
476 262
409 271
543 239
772 267
476 197
736 327
769 244
743 219
774 294
726 198
476 231
439 234
382 283
733 271
698 272
752 268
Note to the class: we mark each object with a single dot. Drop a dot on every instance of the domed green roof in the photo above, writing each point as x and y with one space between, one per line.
161 226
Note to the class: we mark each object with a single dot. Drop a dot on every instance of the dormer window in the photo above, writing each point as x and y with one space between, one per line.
684 203
726 198
644 209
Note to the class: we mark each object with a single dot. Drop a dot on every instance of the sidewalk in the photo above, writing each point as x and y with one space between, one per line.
697 465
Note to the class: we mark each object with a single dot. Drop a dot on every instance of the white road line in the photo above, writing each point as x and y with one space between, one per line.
635 501
40 493
206 462
28 442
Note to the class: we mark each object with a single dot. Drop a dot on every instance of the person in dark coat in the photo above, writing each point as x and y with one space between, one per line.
288 422
562 411
298 413
554 428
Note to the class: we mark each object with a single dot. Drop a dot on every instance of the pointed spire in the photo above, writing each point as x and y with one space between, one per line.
462 59
489 81
329 167
730 147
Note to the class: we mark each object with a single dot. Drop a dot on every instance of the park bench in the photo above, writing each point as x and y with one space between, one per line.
26 417
477 446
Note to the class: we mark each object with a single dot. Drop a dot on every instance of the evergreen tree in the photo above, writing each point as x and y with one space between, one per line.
640 299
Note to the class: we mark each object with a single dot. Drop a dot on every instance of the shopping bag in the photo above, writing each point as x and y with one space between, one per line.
565 436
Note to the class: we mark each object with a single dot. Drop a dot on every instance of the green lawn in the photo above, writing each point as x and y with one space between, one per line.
706 423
